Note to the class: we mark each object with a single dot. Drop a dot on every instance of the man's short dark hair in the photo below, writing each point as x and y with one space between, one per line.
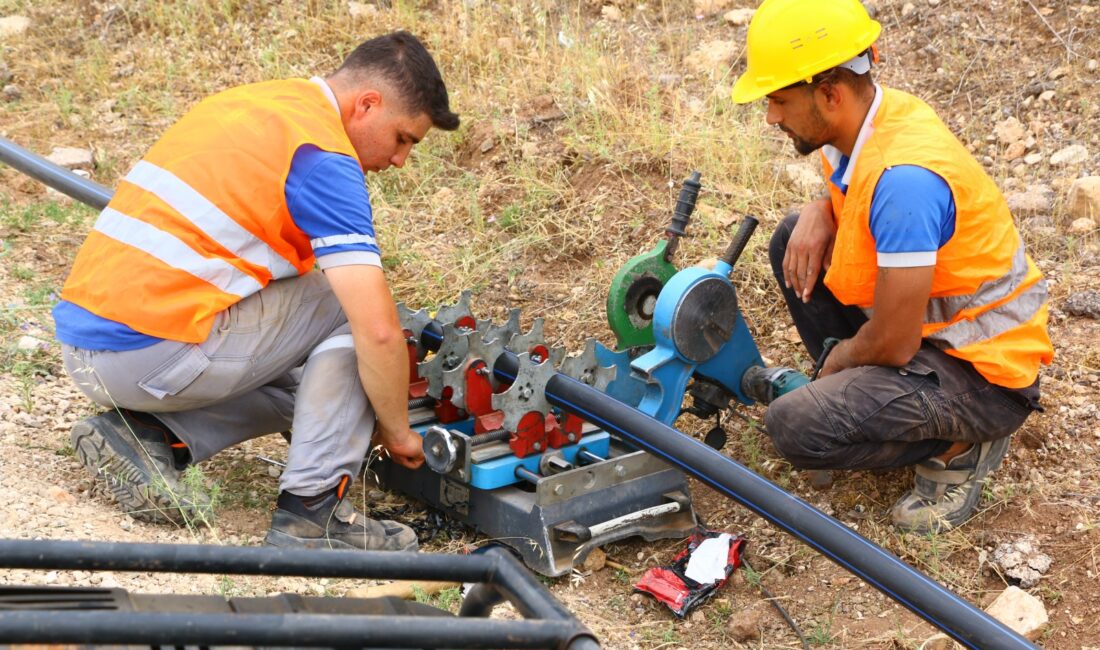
403 61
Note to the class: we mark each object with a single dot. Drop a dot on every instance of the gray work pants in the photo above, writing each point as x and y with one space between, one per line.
281 358
877 417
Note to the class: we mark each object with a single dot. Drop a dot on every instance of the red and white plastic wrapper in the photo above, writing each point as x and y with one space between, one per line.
696 573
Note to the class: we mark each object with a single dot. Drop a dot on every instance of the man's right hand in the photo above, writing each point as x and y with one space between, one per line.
405 447
810 248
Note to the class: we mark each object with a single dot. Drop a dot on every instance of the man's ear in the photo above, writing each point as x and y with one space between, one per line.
832 95
366 100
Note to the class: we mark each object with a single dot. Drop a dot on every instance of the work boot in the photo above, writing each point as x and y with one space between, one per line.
328 520
944 495
140 460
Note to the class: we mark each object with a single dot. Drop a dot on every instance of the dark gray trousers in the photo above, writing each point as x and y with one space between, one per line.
878 417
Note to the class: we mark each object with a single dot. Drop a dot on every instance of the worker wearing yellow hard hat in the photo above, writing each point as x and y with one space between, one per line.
940 313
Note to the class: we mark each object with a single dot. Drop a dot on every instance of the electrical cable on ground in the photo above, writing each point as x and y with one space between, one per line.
775 603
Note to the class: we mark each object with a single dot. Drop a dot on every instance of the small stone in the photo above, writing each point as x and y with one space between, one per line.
1092 65
29 343
595 561
126 524
12 26
529 150
360 10
1033 158
12 93
1082 226
1071 155
1020 611
51 577
273 472
711 7
939 642
487 144
1015 151
612 13
443 196
739 17
1009 131
745 624
59 494
1036 199
803 177
1084 198
907 9
713 57
72 157
1046 96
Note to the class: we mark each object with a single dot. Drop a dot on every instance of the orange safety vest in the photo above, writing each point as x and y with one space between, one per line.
202 222
988 304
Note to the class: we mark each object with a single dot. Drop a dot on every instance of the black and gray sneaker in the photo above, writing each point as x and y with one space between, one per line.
140 460
329 521
945 495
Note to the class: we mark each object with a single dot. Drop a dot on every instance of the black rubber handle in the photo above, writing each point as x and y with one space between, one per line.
740 240
681 215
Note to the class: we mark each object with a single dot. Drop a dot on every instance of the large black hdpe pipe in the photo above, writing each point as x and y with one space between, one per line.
912 589
917 592
64 181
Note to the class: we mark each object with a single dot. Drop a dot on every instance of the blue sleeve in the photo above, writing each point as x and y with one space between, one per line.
327 198
912 216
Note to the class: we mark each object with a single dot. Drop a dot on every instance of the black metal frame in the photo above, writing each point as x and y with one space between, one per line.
497 575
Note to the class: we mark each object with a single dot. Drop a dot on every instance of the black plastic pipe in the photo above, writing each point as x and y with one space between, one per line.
881 569
87 192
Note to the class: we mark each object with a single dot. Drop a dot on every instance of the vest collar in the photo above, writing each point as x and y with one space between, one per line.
328 92
836 158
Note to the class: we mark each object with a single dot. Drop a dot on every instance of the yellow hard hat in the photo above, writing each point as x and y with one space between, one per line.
792 40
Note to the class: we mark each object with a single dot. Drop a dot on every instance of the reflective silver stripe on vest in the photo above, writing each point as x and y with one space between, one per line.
209 218
337 240
173 252
942 310
993 322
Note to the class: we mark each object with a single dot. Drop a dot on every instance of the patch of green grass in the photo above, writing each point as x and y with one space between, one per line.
623 577
446 599
22 273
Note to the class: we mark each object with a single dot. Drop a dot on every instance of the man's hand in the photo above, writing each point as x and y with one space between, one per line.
405 447
810 248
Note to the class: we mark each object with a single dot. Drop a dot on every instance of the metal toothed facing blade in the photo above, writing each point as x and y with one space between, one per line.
502 333
586 368
451 314
450 356
414 322
527 393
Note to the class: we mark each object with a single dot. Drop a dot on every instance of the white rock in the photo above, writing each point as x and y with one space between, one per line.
612 13
359 10
1092 65
1037 199
71 157
1071 155
713 57
1033 158
1020 611
11 26
1084 198
739 16
1080 227
28 343
907 9
711 7
1009 131
1046 96
802 177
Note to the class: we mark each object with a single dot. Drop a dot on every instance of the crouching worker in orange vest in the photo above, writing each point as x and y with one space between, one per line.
193 312
912 261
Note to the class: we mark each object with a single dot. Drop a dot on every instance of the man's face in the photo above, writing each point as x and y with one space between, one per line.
382 132
795 112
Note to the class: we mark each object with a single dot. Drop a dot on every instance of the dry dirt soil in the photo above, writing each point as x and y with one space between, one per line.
977 63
